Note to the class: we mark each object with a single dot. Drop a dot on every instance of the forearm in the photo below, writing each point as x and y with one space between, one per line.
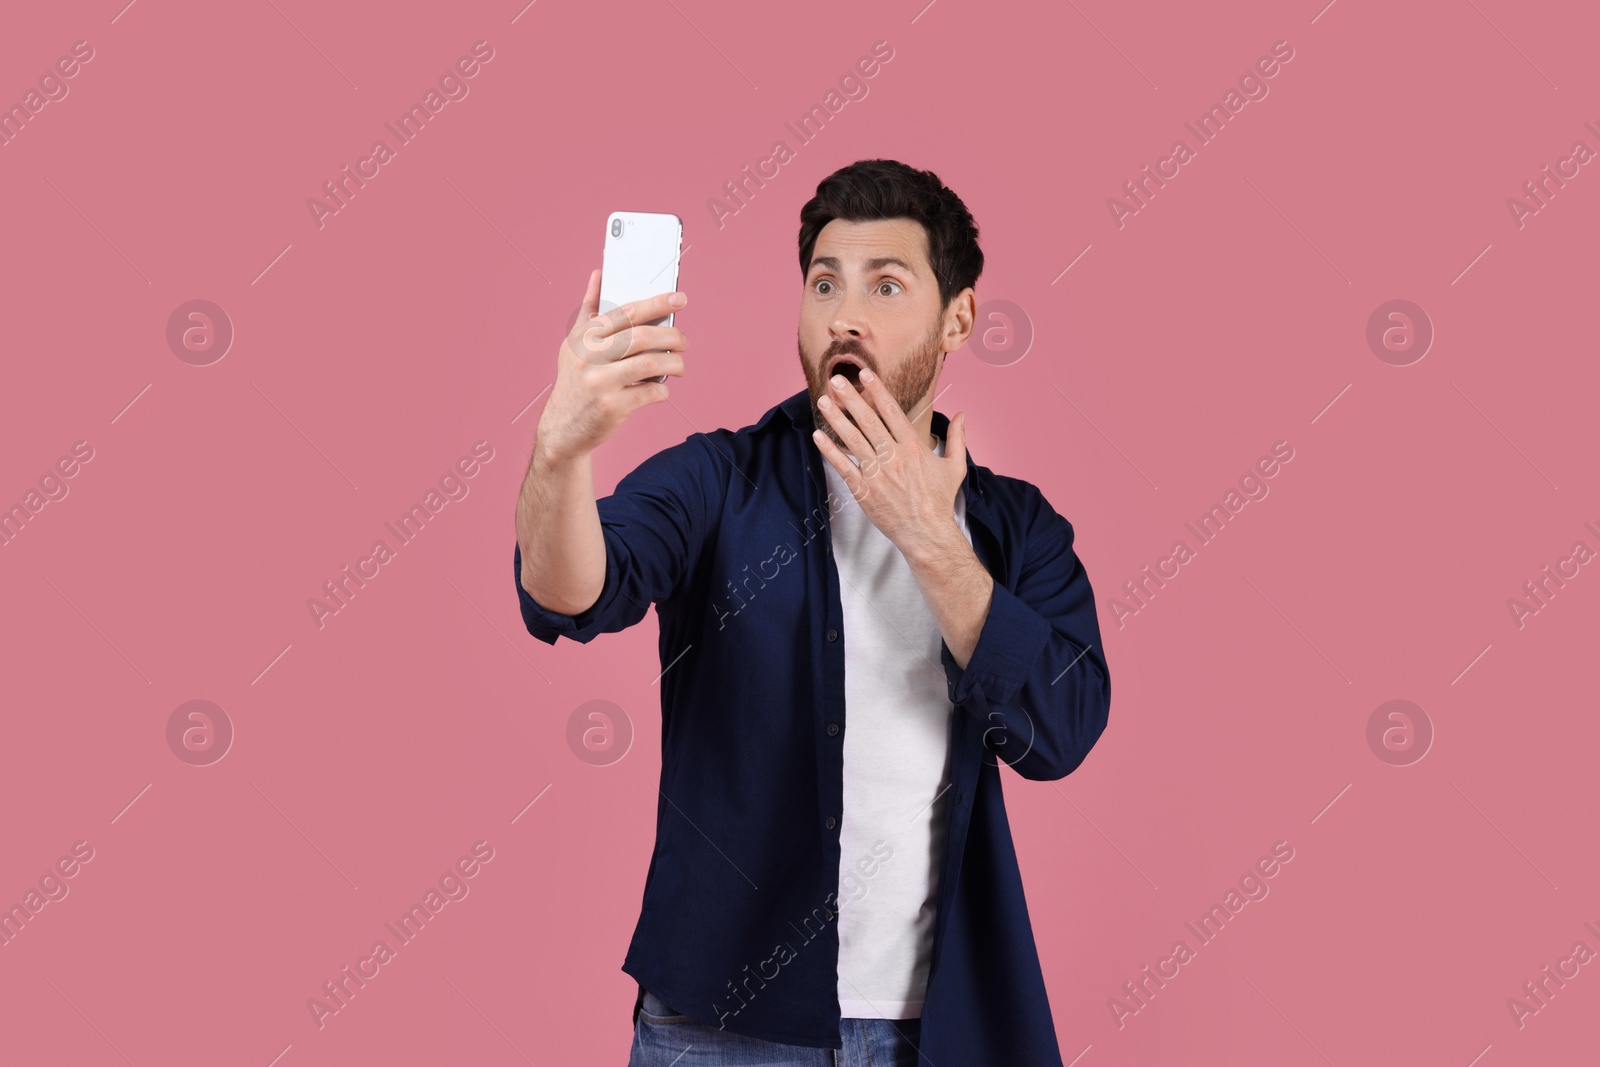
1037 679
558 530
957 589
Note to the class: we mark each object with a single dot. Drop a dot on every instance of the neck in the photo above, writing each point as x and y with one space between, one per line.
924 420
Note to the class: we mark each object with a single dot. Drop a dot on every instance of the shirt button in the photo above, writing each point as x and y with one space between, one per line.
831 822
833 635
833 729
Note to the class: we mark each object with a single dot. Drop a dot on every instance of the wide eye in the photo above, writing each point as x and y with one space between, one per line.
892 287
823 287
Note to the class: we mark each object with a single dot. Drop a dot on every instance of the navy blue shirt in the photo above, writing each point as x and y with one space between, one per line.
727 534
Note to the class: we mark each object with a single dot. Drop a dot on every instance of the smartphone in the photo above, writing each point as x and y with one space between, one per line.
641 260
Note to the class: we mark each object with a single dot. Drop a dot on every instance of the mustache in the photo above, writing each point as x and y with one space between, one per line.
848 347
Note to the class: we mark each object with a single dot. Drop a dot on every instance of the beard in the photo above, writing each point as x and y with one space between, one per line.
908 383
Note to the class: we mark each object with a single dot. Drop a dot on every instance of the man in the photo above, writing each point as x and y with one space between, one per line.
858 625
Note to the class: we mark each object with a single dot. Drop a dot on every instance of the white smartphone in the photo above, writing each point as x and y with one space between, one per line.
641 260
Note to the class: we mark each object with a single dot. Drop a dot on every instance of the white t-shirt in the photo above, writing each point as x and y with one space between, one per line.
896 768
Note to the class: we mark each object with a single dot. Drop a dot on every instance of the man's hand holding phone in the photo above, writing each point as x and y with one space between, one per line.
600 367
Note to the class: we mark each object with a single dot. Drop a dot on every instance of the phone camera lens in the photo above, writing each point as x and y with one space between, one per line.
616 227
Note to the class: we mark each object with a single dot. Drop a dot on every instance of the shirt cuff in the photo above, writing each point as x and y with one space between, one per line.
1009 646
548 625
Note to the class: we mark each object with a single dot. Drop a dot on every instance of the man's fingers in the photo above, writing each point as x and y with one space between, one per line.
591 298
853 478
648 365
598 350
886 407
861 409
648 338
639 312
638 396
850 434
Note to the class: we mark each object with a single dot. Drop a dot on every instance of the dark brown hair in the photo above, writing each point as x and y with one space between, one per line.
871 189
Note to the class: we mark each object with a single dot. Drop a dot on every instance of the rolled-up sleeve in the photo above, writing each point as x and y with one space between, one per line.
654 523
1037 679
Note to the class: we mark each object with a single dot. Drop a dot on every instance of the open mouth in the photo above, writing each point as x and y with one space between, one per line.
846 366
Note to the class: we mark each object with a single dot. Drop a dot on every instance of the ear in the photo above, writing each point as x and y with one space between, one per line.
959 319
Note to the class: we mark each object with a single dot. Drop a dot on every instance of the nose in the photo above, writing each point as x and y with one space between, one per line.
849 320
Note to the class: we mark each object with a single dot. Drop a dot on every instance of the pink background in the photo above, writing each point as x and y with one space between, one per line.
371 353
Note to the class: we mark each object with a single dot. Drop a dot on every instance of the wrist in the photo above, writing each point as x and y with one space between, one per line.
938 548
549 454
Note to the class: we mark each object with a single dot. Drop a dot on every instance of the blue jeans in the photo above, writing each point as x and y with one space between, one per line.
663 1038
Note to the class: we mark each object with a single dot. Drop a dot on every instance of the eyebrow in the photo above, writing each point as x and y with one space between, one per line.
877 263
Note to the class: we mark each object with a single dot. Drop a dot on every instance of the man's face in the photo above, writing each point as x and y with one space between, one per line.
871 299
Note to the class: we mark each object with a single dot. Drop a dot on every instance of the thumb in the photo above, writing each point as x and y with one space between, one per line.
591 297
956 445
